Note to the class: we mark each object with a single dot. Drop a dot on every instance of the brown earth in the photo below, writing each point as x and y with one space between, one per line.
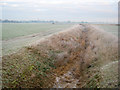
78 57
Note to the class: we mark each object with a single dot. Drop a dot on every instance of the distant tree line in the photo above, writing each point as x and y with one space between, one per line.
31 21
36 21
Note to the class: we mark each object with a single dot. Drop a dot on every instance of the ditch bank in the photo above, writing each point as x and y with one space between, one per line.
81 56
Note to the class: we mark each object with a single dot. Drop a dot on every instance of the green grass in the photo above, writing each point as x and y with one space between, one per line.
28 68
22 30
110 28
12 30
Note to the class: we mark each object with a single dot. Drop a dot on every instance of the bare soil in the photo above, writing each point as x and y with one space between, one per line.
80 57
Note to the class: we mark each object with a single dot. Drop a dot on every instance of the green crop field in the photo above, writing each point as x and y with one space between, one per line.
12 30
113 29
17 35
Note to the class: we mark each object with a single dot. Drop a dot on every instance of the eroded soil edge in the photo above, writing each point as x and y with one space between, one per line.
78 57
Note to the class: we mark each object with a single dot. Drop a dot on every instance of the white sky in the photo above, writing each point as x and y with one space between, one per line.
61 10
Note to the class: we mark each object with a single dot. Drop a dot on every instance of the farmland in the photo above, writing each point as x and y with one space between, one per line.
17 35
79 57
12 30
113 29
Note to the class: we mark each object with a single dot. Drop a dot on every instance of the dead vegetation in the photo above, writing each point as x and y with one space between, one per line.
81 50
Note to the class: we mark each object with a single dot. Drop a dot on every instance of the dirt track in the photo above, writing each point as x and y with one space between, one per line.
83 55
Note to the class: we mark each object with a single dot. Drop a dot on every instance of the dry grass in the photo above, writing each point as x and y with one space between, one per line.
82 50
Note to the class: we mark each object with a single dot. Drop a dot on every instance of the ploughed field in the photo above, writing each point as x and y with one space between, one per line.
83 56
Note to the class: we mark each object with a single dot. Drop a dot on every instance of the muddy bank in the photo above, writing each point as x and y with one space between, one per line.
77 57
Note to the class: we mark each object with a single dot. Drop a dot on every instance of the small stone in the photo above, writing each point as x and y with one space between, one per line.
89 66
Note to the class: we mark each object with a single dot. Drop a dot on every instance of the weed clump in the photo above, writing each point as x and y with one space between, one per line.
28 68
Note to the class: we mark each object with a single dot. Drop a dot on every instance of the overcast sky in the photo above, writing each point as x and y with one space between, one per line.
61 10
